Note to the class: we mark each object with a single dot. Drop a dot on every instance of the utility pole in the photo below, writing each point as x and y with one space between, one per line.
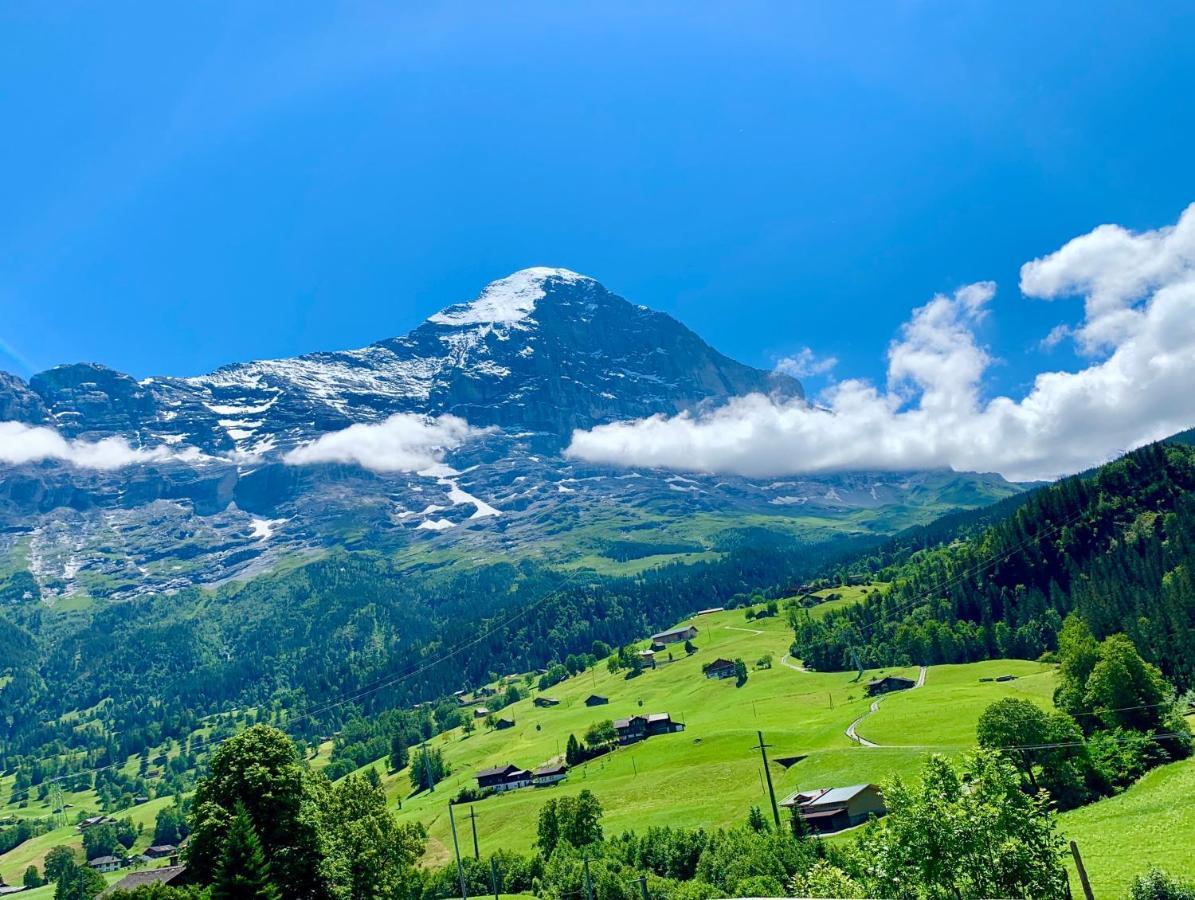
473 822
460 870
1082 872
427 770
494 876
643 887
588 880
768 774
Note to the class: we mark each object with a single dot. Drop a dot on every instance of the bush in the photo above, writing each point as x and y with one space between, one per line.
1157 885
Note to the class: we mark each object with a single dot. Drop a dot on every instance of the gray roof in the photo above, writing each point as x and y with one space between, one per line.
102 861
134 880
841 795
680 629
497 770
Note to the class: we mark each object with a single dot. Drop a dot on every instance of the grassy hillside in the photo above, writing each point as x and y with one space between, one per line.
710 774
1151 823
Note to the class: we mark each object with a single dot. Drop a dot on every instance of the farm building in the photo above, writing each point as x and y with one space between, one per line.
826 810
104 863
712 609
719 668
504 723
480 712
637 728
175 876
161 851
503 778
648 658
675 635
596 700
95 820
549 774
888 684
546 701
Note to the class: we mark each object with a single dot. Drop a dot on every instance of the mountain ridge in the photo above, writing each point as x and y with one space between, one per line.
544 350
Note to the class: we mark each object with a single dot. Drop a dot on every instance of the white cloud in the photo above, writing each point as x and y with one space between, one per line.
1115 270
805 363
402 443
21 443
1139 293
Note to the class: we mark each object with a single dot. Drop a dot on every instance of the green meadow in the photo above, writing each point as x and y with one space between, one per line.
711 773
1150 824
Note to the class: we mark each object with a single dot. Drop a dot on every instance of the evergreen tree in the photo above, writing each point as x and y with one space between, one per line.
243 873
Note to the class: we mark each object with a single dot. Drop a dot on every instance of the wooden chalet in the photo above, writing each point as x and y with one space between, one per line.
719 668
503 778
888 684
827 810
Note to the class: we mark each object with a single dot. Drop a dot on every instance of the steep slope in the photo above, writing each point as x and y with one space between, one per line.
1116 545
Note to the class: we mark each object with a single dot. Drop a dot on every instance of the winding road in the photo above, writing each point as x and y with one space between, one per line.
851 729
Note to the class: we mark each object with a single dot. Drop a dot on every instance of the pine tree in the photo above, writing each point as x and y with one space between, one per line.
243 873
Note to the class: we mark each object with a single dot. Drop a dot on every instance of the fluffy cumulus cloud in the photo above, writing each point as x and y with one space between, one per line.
20 443
805 363
1138 328
402 443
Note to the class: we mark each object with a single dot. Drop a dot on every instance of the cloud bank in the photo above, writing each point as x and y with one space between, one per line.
21 443
1138 328
405 442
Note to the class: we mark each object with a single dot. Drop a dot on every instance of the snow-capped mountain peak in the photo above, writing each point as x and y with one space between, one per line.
507 300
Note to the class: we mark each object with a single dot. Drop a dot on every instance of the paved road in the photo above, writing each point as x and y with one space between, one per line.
851 731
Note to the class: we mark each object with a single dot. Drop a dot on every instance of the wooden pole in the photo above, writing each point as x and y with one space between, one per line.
588 880
473 822
460 870
1082 872
494 875
768 774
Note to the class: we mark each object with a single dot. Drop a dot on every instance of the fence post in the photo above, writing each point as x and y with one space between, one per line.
1082 872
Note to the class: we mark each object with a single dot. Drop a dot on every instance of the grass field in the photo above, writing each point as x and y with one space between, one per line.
712 766
1152 823
943 713
708 775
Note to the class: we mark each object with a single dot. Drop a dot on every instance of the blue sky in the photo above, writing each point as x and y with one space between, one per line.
187 185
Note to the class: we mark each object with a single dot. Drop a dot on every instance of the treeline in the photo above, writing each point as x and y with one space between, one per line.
1116 545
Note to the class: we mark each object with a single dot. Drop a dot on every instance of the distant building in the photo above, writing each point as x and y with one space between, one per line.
480 712
161 851
712 609
596 700
648 658
104 863
675 635
503 778
93 821
503 724
174 876
827 810
888 684
719 668
546 701
549 774
637 728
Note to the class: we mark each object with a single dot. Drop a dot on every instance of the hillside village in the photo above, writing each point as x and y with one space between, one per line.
639 733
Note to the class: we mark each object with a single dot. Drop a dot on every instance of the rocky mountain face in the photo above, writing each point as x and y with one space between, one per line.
533 357
544 350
